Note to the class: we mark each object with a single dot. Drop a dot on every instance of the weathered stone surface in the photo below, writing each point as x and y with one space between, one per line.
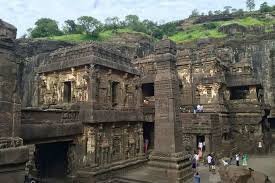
233 174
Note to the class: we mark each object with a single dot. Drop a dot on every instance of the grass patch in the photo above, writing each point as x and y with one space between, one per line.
195 33
210 30
102 36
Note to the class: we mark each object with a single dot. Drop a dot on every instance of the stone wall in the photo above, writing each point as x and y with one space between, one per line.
12 152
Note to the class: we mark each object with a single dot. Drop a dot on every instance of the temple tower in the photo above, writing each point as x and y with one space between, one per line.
168 157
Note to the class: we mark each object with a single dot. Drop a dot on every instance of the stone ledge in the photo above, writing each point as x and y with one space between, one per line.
12 156
42 131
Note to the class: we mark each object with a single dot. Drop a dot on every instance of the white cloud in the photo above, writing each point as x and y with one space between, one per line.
24 13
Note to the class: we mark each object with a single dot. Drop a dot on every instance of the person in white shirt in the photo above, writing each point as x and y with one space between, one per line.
197 158
200 145
209 161
237 159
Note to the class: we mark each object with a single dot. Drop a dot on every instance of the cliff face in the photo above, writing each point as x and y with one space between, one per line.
30 54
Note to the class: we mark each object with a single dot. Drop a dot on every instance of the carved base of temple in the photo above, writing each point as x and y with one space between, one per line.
12 164
110 172
175 168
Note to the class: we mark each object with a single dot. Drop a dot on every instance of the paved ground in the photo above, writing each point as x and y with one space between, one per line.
208 177
264 164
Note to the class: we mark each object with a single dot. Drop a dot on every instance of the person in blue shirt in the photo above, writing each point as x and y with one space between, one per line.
197 178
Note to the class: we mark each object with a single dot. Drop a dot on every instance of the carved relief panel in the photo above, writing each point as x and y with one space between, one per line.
55 87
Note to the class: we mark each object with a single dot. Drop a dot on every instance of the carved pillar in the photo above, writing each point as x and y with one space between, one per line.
207 144
168 127
93 71
71 160
141 140
91 146
138 92
36 83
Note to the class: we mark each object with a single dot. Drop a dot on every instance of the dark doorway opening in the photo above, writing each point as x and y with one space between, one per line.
201 139
148 93
51 160
115 91
238 93
67 92
148 135
148 89
272 123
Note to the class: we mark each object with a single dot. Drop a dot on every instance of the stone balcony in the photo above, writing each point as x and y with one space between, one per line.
40 124
241 79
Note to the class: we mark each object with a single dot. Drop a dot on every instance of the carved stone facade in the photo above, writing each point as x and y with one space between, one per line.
96 113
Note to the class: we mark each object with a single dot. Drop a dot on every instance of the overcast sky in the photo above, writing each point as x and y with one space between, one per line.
24 13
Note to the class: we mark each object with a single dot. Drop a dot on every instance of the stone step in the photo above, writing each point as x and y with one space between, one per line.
128 180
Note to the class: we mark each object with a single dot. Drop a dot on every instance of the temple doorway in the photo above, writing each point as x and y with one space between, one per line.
148 135
201 142
51 161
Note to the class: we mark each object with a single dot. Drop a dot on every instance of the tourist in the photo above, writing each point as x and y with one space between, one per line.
197 178
194 164
196 157
200 145
237 159
203 148
209 160
245 159
146 144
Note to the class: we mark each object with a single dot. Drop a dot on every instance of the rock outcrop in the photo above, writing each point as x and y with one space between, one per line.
233 174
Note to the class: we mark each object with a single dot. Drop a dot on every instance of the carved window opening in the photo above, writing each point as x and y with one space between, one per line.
115 91
67 95
148 93
238 93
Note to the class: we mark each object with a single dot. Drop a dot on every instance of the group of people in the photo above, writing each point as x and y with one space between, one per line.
244 157
195 163
198 108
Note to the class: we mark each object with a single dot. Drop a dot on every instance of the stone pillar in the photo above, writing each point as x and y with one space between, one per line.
207 144
13 155
272 81
141 140
168 156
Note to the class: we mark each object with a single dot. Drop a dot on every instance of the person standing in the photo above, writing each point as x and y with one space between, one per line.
197 178
209 161
245 159
194 164
196 157
200 145
237 159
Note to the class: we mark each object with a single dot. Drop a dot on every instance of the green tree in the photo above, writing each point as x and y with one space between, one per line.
217 12
131 20
169 28
210 13
227 9
45 27
112 23
250 4
89 25
70 27
234 10
195 13
265 8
